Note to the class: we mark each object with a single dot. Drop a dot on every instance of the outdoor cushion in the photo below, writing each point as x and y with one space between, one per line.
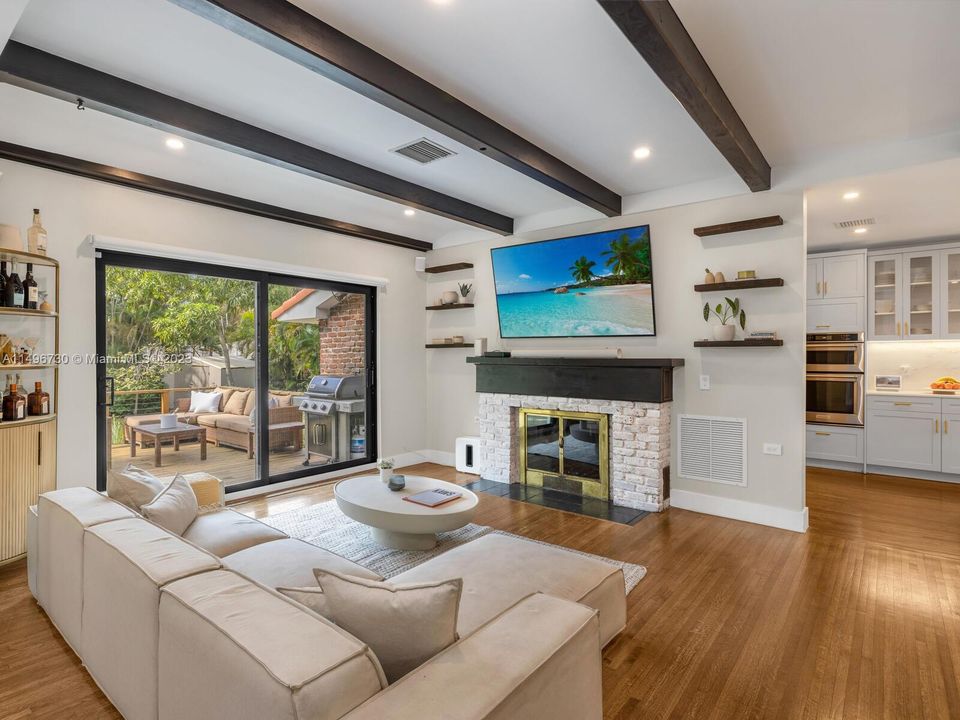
226 392
237 401
498 570
210 419
239 423
290 563
283 400
251 403
204 401
227 531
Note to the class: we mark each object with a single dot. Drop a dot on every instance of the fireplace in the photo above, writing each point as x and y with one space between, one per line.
594 427
566 451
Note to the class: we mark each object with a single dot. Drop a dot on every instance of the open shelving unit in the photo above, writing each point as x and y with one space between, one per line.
747 342
451 267
437 346
740 285
451 306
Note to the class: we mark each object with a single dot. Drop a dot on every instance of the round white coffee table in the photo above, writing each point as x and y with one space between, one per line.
399 524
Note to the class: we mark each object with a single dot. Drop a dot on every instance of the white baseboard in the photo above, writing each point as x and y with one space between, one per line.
421 456
796 520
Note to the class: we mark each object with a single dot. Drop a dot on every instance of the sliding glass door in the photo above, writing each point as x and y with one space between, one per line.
248 376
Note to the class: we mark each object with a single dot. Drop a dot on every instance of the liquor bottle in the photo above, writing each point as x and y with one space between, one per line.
38 402
36 236
13 293
6 388
14 405
3 282
31 292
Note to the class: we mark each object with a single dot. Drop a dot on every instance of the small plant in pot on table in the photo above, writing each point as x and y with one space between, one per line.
386 469
725 313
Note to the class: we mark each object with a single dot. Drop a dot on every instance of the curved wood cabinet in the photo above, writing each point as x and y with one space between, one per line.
28 467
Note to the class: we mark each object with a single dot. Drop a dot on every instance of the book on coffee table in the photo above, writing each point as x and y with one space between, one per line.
433 498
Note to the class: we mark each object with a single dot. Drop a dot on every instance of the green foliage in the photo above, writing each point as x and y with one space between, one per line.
582 269
138 376
630 260
465 288
726 313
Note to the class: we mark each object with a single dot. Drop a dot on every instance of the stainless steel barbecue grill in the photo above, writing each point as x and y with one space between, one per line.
333 409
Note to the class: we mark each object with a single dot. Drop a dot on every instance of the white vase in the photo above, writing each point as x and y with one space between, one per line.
385 474
724 333
449 297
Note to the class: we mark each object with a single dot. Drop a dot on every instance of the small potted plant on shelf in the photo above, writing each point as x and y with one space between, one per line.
725 313
465 289
386 469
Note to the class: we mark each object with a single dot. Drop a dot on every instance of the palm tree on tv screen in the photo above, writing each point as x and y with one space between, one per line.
629 260
582 270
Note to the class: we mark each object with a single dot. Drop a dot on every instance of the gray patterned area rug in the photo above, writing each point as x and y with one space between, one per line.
325 526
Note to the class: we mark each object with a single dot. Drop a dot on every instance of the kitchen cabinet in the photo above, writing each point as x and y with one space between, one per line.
903 439
834 277
950 451
883 300
836 443
835 315
950 293
921 295
29 467
914 295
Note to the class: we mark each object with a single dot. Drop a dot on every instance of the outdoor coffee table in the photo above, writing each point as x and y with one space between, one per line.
396 523
181 431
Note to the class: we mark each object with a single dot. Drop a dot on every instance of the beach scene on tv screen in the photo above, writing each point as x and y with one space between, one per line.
587 285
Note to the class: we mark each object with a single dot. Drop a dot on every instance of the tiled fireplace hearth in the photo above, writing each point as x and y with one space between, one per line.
633 395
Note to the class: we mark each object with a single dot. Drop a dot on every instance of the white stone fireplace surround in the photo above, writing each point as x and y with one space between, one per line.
639 443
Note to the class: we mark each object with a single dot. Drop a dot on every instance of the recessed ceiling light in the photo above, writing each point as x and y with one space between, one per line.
851 195
175 143
641 152
860 231
409 212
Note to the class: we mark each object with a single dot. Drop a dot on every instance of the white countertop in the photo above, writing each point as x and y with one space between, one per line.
913 393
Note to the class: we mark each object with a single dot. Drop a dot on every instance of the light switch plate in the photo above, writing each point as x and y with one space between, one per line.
772 449
704 382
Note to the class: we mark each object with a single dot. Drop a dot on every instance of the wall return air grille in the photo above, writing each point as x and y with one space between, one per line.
713 449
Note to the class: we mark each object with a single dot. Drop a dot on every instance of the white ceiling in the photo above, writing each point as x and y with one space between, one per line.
912 204
811 77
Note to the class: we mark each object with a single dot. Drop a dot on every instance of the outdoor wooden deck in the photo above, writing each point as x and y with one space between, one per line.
227 463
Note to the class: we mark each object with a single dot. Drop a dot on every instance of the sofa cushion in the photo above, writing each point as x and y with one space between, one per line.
225 393
237 423
175 507
290 562
133 486
405 625
210 419
230 648
126 562
282 400
227 531
498 570
204 401
237 402
251 403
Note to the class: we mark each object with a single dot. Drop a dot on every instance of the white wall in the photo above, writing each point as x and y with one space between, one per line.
73 208
764 385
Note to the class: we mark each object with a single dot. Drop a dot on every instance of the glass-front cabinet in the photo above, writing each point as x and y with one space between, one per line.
950 293
914 295
884 281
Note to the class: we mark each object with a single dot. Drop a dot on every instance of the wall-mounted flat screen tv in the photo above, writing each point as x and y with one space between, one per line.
600 284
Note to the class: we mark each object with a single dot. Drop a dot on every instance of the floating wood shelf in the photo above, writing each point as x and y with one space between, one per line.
739 226
740 285
750 342
451 306
449 268
449 345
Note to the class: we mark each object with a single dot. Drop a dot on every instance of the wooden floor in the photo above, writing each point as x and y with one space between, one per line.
857 618
229 464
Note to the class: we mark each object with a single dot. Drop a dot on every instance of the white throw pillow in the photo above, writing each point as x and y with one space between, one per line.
174 508
204 401
405 625
133 486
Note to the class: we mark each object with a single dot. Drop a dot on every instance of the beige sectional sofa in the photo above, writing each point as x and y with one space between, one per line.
191 627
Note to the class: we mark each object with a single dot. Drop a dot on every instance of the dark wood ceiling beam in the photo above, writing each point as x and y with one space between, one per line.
655 30
297 35
169 188
40 71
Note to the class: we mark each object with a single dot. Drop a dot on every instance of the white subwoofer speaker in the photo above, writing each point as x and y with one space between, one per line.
466 455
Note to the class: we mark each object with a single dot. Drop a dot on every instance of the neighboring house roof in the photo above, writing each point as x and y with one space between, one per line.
306 306
216 361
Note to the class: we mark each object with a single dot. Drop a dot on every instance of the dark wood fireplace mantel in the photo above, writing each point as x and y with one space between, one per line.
635 379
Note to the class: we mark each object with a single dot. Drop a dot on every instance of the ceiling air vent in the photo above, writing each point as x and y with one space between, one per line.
423 151
847 224
713 449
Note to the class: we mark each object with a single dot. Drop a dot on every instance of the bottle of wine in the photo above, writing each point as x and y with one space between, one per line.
36 236
3 283
31 292
13 293
14 405
38 402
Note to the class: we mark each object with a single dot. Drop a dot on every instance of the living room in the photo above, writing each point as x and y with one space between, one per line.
490 252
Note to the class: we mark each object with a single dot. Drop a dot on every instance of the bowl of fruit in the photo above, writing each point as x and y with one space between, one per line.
947 385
